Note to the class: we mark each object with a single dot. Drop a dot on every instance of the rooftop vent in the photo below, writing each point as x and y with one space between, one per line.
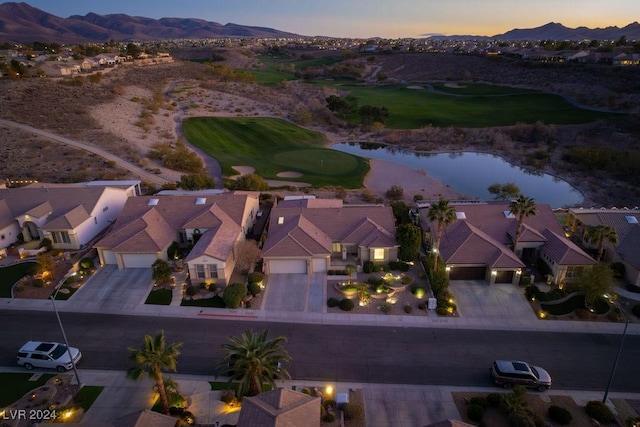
201 200
461 215
631 219
280 220
508 214
153 202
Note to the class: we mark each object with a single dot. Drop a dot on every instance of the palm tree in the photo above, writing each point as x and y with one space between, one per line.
153 357
254 361
442 214
600 233
522 207
350 269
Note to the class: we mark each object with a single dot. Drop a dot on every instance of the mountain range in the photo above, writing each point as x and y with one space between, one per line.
22 23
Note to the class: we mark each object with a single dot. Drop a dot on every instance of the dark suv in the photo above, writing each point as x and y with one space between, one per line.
507 373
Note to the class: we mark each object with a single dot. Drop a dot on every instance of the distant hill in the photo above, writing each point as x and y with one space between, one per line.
22 23
555 31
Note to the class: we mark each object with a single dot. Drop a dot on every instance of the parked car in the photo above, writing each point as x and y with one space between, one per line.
508 373
39 354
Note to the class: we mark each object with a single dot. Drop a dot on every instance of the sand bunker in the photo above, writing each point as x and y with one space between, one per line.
278 183
244 170
454 86
289 174
415 87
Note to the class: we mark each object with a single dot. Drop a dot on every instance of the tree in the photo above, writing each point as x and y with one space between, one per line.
247 253
395 192
196 181
45 264
254 361
234 294
598 234
350 269
401 212
408 236
595 282
522 207
342 106
504 191
160 271
370 114
151 359
442 214
251 182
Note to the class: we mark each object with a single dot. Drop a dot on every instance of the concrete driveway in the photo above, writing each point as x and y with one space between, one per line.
477 299
294 292
110 288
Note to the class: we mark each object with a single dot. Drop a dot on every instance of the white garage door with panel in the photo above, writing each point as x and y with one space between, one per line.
288 266
109 257
138 260
319 265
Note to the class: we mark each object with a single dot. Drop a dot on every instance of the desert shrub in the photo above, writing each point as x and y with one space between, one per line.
525 280
560 415
45 243
521 419
441 311
375 281
329 403
475 412
406 280
422 306
306 390
227 396
385 307
254 289
636 310
191 290
329 417
479 400
599 412
367 267
494 399
352 411
233 294
531 292
418 197
19 288
395 192
333 302
86 263
38 283
418 291
408 309
255 277
346 304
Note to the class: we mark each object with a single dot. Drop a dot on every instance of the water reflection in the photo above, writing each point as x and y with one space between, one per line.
471 173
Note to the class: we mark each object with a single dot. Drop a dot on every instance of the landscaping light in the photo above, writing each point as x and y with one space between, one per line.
542 314
67 414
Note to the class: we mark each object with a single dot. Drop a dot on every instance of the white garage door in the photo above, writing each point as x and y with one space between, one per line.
319 265
138 260
109 257
288 266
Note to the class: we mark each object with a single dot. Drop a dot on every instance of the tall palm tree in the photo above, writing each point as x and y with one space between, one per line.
599 234
153 357
442 214
522 207
254 361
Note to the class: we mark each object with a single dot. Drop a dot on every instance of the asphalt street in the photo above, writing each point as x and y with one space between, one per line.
400 355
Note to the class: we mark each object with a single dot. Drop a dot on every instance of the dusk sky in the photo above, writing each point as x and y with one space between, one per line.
368 18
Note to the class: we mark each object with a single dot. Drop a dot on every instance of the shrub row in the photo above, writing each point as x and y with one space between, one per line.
337 272
370 267
532 291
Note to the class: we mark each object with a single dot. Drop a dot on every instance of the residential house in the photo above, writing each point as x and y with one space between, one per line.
625 222
315 235
280 408
208 226
479 244
70 215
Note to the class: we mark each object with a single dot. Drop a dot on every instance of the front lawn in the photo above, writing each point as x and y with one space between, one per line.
272 146
17 385
86 396
160 297
576 302
215 301
11 274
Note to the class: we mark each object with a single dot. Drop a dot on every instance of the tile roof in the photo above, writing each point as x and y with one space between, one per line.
6 217
629 247
71 219
280 407
610 217
309 231
563 251
218 241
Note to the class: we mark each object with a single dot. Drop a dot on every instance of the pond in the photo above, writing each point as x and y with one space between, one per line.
470 173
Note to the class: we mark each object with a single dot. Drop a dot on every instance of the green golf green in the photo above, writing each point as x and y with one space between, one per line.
272 146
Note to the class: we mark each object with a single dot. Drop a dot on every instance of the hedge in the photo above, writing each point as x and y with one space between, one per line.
233 294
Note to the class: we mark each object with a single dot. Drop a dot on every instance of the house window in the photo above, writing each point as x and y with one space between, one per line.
378 254
336 247
60 237
573 272
200 271
213 271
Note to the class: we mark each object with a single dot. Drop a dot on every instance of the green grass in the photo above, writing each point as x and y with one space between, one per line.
159 297
270 75
480 89
411 108
16 385
215 301
574 303
86 396
272 146
10 275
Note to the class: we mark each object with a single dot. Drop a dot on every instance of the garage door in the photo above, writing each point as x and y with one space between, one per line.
288 266
319 265
109 257
504 276
138 260
468 273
